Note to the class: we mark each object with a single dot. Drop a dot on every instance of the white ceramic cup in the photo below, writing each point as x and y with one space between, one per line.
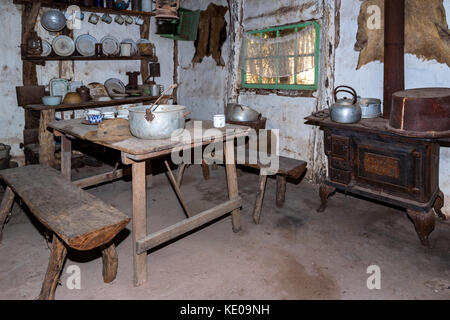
219 120
109 115
91 112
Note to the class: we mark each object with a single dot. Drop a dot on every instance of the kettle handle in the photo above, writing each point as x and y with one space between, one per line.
352 92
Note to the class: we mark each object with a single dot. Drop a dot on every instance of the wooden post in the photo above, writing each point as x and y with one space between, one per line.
110 263
145 34
281 190
55 265
139 221
232 182
66 157
259 198
5 208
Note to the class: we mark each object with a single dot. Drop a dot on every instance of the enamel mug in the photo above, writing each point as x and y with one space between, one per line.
219 120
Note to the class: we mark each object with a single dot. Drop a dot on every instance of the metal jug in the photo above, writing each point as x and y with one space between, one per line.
345 110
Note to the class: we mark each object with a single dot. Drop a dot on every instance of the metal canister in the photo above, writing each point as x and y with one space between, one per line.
370 107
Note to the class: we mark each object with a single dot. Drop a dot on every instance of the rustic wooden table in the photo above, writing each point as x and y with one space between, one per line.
135 152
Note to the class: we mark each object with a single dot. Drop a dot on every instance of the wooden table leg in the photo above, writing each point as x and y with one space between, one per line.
232 182
5 208
259 197
46 139
55 265
66 157
139 221
110 262
205 170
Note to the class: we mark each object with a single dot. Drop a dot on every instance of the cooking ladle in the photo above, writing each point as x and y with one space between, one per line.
148 113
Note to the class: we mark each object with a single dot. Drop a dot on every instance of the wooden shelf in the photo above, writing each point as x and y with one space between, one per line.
88 9
93 104
85 58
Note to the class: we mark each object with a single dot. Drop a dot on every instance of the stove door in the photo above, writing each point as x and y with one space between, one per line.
394 168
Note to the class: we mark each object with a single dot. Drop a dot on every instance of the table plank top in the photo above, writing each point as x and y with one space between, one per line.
138 147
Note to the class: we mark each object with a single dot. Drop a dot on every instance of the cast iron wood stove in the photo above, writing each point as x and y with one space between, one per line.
367 160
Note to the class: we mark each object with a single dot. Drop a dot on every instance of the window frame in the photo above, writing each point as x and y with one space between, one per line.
278 86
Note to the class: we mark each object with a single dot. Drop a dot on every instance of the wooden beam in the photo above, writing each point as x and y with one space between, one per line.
104 177
176 188
180 228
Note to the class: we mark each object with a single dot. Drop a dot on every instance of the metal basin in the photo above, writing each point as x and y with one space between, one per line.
167 120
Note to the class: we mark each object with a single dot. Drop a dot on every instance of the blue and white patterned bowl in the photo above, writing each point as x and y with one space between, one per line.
95 118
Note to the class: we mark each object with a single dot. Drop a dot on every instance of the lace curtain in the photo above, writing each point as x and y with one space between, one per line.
263 56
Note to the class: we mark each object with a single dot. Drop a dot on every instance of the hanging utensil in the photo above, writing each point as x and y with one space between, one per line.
149 116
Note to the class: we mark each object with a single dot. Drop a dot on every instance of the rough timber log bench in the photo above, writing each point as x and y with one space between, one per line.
77 219
287 169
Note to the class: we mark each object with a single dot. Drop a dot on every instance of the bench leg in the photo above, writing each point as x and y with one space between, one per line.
232 183
55 265
281 190
259 198
5 208
110 263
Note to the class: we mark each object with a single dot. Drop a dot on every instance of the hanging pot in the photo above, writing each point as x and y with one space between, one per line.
345 110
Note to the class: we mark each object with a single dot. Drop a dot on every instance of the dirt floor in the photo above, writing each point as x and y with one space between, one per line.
294 253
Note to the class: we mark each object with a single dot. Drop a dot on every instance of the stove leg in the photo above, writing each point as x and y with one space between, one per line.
438 204
424 224
325 192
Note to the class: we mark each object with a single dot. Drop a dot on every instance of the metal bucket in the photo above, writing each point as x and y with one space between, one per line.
167 119
4 156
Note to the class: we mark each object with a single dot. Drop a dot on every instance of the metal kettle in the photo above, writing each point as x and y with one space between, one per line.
345 110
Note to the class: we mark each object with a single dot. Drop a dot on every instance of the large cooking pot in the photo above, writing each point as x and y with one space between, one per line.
239 113
164 121
345 110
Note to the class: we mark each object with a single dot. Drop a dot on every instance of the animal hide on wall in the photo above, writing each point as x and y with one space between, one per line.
426 32
212 33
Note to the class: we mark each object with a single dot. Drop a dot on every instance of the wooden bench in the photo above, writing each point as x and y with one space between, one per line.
76 218
287 168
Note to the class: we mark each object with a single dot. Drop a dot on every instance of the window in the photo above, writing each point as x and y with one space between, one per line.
281 57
